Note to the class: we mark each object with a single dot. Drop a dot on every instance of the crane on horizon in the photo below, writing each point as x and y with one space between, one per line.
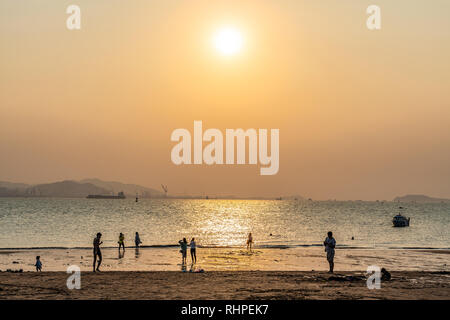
164 187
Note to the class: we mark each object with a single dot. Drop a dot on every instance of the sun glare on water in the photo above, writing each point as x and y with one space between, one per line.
228 41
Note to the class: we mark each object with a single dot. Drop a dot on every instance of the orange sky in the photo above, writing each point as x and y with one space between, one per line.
362 114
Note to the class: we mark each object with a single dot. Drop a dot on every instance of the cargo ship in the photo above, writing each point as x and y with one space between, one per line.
120 195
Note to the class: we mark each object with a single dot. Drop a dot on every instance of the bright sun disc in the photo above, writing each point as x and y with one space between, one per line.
228 41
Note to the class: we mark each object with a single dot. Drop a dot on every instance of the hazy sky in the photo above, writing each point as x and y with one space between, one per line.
362 114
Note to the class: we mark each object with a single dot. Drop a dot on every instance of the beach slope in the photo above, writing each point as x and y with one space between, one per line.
221 285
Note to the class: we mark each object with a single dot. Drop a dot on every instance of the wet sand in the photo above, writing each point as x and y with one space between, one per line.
229 259
221 285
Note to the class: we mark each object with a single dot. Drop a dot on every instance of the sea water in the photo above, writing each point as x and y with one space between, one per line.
287 234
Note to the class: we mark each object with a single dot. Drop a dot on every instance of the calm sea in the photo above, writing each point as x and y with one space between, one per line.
73 223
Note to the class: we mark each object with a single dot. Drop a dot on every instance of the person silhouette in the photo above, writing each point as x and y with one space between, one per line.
250 241
330 244
121 241
193 246
137 239
183 245
97 252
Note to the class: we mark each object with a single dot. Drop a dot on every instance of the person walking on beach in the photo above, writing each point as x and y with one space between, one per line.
97 251
121 241
183 244
193 253
250 241
330 244
38 264
137 239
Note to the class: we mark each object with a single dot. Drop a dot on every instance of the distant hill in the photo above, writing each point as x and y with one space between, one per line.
12 189
13 185
130 190
75 189
420 198
68 188
5 192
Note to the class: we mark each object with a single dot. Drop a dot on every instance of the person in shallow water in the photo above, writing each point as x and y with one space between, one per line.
193 246
38 264
121 241
97 251
183 245
250 241
137 239
330 244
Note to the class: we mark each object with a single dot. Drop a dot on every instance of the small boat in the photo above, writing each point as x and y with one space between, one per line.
400 220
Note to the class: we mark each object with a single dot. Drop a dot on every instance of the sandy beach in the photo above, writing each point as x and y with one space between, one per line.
229 273
167 285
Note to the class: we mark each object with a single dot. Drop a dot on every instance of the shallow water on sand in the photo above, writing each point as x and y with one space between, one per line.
229 259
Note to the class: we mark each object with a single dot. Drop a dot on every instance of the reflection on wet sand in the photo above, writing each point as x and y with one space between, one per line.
229 259
136 253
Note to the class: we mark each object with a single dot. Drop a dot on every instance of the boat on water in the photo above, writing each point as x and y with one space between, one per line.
400 220
120 195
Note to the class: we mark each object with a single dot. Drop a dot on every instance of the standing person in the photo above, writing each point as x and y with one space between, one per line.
330 244
250 241
97 251
193 253
121 241
137 239
183 244
38 264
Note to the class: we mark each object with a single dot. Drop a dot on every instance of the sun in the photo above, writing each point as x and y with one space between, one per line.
228 41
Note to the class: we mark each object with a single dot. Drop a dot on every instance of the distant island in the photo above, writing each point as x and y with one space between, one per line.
76 189
420 198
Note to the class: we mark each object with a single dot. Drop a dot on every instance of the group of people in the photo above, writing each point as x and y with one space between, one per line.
121 242
183 244
98 253
193 246
329 243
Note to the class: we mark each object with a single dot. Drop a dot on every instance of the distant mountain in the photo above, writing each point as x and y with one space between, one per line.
76 189
5 192
130 190
12 189
420 198
68 188
13 185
